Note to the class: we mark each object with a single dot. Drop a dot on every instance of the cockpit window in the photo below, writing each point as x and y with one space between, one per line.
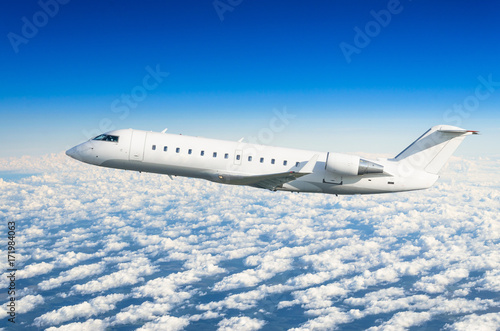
106 137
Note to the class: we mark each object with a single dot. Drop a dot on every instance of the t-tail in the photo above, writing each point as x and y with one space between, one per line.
419 163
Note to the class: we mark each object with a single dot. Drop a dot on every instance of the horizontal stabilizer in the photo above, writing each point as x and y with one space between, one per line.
459 131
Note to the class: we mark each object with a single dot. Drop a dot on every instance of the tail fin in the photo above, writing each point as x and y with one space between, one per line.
431 151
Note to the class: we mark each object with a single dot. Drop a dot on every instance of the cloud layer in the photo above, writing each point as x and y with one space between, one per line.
102 248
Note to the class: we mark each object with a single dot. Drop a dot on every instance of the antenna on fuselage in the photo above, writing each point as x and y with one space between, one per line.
164 130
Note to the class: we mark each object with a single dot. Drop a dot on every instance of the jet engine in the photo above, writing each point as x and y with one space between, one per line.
351 165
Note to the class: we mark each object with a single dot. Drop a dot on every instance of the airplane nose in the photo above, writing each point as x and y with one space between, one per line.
72 152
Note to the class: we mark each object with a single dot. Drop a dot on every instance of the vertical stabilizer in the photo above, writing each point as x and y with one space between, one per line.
431 151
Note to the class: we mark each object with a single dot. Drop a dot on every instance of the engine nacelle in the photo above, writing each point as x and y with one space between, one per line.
351 165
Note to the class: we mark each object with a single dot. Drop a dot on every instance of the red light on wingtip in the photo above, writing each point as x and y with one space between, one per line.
473 131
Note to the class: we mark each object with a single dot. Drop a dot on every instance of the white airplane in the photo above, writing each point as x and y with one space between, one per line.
273 168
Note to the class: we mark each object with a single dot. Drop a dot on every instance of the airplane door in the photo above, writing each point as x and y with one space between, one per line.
237 157
137 145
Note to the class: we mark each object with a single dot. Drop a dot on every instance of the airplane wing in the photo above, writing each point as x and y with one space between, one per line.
272 181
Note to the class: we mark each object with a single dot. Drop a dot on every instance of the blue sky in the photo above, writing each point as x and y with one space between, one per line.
225 77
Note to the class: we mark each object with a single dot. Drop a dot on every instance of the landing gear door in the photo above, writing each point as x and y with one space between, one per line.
137 146
332 177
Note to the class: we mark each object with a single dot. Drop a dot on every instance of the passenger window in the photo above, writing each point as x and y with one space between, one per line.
297 164
238 157
285 162
215 154
261 160
154 147
250 158
177 150
226 156
164 148
272 161
190 151
202 153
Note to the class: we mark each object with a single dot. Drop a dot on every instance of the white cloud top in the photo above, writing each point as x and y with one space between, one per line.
103 248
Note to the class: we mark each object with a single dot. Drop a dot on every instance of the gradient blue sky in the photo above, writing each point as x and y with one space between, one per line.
226 76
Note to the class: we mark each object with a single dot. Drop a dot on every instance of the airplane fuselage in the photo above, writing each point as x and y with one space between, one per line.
240 163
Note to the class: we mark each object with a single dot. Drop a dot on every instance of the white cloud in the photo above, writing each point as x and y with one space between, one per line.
331 318
369 298
96 306
166 323
438 283
35 269
404 320
28 303
475 322
130 274
115 246
251 277
144 312
490 281
443 305
242 323
240 301
317 297
71 258
166 287
205 316
88 325
209 250
43 254
76 273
